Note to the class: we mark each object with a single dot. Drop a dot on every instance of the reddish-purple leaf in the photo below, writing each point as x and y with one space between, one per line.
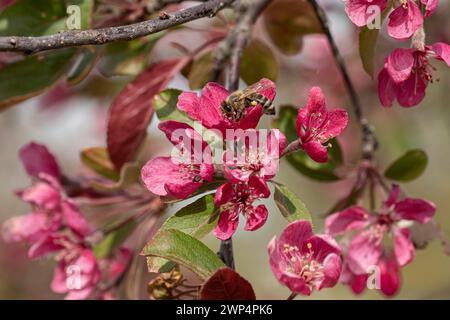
37 159
226 284
132 110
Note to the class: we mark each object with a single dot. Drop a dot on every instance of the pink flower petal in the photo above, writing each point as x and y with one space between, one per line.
400 64
256 218
403 22
430 6
157 172
75 220
403 246
415 209
442 50
389 276
364 251
322 245
37 159
387 89
296 233
316 151
338 121
411 92
352 218
357 10
332 266
227 225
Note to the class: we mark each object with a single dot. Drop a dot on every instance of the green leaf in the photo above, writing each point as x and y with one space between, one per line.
129 57
288 21
318 171
165 105
258 62
200 71
84 64
97 159
113 240
184 249
408 167
291 207
33 75
300 160
129 174
367 42
196 219
38 18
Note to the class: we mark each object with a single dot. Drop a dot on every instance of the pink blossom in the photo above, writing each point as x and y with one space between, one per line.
407 73
235 199
257 155
367 248
405 20
179 176
316 125
358 10
430 6
37 159
389 273
77 273
52 211
303 261
207 108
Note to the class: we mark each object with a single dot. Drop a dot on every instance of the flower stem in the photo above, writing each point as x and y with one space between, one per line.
226 252
292 296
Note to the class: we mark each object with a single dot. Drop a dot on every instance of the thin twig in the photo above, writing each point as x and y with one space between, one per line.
248 14
369 143
101 36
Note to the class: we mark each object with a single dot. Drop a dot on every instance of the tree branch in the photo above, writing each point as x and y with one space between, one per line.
369 141
101 36
249 13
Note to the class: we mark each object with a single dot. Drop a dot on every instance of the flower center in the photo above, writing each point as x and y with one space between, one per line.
304 265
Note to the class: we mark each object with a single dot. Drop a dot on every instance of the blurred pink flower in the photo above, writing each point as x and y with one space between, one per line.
303 261
389 277
207 108
407 72
315 125
77 273
235 199
36 159
259 157
179 177
367 248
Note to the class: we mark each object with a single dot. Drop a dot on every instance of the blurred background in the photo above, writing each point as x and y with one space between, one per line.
69 119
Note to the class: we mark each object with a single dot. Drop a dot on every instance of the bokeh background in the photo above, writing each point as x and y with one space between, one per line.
67 120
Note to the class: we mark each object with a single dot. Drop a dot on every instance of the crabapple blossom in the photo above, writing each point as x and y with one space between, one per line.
179 176
316 125
260 157
207 108
404 20
368 248
407 73
234 199
303 261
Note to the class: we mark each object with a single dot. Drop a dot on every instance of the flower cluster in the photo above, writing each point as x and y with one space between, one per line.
406 72
247 157
57 226
382 241
404 20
